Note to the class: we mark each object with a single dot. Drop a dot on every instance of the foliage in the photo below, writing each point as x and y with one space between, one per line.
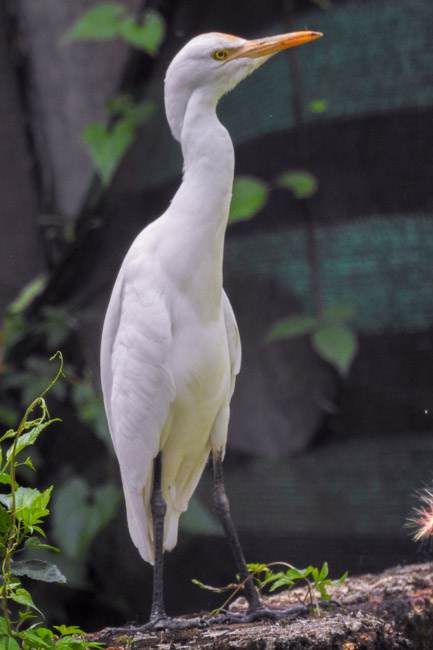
301 183
249 196
316 580
108 144
331 337
110 20
23 511
318 106
336 344
21 380
54 326
79 514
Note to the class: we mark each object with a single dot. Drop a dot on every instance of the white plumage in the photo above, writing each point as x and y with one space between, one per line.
170 344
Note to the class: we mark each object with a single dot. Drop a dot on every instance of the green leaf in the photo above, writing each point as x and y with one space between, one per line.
31 506
65 630
27 439
10 433
249 196
301 183
290 327
44 633
336 344
318 106
29 463
24 616
22 597
337 314
272 577
107 147
257 567
298 574
28 294
321 588
147 35
342 578
34 641
8 643
79 514
281 582
5 520
324 571
38 570
35 544
99 23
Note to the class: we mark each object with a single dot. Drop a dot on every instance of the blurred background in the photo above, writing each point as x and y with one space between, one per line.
328 266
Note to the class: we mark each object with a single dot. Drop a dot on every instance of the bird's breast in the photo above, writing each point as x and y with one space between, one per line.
201 361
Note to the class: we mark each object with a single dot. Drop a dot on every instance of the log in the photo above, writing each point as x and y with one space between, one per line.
393 609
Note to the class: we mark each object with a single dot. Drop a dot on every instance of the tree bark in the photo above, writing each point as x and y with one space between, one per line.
390 610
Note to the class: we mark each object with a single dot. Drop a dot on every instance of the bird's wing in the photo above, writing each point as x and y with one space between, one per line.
138 388
233 338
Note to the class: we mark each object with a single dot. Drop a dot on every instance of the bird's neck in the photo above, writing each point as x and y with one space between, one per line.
201 205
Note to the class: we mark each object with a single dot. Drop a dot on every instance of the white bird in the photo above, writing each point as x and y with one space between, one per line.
170 347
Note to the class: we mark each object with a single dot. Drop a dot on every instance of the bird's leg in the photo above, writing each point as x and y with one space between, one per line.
158 508
256 609
223 509
158 616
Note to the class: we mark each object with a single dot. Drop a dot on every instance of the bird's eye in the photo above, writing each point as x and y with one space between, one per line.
220 55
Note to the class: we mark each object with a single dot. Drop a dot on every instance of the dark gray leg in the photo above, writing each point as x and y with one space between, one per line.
158 508
256 609
158 617
223 509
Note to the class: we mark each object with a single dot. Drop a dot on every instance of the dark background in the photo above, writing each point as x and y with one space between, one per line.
319 467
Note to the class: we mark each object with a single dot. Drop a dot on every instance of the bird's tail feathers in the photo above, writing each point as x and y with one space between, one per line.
139 512
140 524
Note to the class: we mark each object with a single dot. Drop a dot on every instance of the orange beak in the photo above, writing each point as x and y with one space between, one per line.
274 44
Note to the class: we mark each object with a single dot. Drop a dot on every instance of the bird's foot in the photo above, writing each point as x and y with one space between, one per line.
164 622
157 623
270 613
260 613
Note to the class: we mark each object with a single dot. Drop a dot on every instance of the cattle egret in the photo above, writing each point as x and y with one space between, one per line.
170 348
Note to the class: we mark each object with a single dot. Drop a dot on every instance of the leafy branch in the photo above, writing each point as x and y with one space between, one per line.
331 336
23 511
110 20
108 144
316 580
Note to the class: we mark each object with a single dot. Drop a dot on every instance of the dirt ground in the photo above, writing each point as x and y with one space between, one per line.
390 610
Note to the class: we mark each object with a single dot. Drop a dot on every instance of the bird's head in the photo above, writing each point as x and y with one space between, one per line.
216 63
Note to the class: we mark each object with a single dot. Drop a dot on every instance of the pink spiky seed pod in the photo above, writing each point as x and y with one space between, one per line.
422 519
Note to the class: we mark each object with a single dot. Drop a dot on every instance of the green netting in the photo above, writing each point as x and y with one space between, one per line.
380 266
297 495
375 57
